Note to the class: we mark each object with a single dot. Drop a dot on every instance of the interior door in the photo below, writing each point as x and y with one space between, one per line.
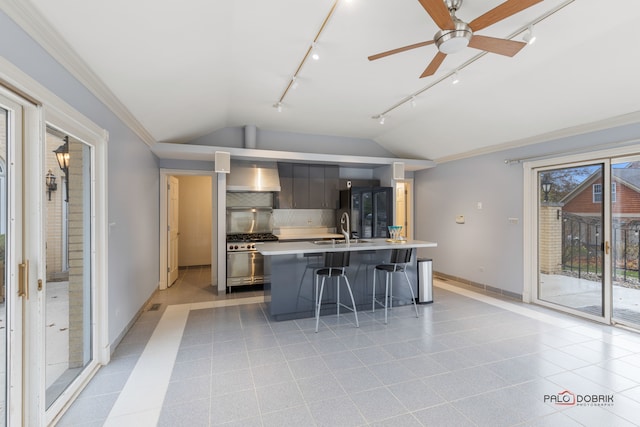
574 239
174 232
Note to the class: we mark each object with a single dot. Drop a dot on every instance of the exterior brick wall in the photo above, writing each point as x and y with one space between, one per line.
550 238
54 229
77 213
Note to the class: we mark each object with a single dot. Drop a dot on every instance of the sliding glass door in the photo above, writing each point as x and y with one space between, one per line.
572 244
625 217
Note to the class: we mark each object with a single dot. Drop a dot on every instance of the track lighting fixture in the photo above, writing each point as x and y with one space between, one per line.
381 121
312 51
529 37
413 102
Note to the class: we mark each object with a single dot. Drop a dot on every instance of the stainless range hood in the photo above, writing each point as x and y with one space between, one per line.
253 176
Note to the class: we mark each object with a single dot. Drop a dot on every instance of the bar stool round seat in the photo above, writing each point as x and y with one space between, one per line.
335 264
397 264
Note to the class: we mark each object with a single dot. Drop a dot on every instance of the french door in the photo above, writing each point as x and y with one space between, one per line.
588 238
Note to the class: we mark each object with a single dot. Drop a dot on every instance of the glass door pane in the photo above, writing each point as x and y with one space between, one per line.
382 212
570 238
625 217
69 263
3 262
367 214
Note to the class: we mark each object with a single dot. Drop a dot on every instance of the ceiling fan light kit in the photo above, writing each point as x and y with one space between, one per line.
453 41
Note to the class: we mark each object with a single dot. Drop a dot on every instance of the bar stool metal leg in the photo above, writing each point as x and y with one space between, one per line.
413 296
318 301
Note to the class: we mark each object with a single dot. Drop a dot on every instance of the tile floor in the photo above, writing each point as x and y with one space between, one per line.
470 359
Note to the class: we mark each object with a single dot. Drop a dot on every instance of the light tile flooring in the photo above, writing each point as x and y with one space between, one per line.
470 359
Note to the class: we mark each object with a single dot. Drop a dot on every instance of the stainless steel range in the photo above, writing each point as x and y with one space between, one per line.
247 227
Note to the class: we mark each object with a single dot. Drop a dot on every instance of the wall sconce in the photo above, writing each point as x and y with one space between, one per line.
50 183
62 155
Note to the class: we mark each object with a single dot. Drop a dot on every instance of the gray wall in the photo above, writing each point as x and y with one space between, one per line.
296 142
133 181
487 249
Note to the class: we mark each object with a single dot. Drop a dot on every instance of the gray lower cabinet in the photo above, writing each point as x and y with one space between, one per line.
308 186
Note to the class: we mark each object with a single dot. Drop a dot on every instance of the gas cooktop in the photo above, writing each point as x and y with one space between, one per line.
251 237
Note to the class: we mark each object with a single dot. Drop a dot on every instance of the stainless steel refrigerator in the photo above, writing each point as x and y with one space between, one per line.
370 211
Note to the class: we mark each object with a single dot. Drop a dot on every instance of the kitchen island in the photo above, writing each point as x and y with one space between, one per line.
290 291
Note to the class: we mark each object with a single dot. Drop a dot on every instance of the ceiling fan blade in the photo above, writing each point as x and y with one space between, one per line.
494 45
433 66
500 12
400 49
439 13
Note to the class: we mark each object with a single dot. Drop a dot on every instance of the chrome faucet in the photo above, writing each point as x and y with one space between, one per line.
344 219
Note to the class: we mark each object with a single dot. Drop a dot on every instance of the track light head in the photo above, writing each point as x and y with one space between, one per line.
314 51
529 37
278 107
455 78
381 121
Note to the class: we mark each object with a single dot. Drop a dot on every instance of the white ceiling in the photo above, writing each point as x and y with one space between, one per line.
185 68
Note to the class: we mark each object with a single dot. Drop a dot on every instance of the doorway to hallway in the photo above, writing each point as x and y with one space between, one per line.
187 223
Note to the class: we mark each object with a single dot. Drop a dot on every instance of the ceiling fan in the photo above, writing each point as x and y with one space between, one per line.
455 34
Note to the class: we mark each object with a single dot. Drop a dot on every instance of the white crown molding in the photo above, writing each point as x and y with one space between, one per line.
622 120
34 24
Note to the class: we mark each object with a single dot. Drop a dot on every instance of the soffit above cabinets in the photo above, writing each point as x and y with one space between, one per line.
207 153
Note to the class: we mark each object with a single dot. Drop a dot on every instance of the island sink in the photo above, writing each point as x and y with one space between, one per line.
340 241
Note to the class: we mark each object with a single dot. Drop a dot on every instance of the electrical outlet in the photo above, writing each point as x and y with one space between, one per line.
479 206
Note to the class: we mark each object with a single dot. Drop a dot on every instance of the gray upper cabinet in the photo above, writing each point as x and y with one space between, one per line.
284 198
308 186
301 186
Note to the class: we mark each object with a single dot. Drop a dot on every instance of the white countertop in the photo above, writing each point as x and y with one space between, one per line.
290 248
311 236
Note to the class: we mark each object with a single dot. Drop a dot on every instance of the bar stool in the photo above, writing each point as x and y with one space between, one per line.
397 264
314 262
335 264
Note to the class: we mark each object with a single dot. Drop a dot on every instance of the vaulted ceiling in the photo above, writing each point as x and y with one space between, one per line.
184 68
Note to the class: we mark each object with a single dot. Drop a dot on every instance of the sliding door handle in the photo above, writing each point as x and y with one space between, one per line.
606 248
23 279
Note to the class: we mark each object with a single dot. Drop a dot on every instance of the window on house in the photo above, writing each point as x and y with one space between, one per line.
597 193
613 192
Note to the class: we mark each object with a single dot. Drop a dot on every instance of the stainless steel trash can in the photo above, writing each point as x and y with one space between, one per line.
425 281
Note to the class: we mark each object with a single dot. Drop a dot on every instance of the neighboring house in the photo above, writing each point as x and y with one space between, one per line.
586 199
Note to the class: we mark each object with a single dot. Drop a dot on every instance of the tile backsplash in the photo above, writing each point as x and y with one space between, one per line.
304 218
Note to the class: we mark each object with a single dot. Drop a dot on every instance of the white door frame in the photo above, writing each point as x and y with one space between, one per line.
53 110
410 205
164 222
